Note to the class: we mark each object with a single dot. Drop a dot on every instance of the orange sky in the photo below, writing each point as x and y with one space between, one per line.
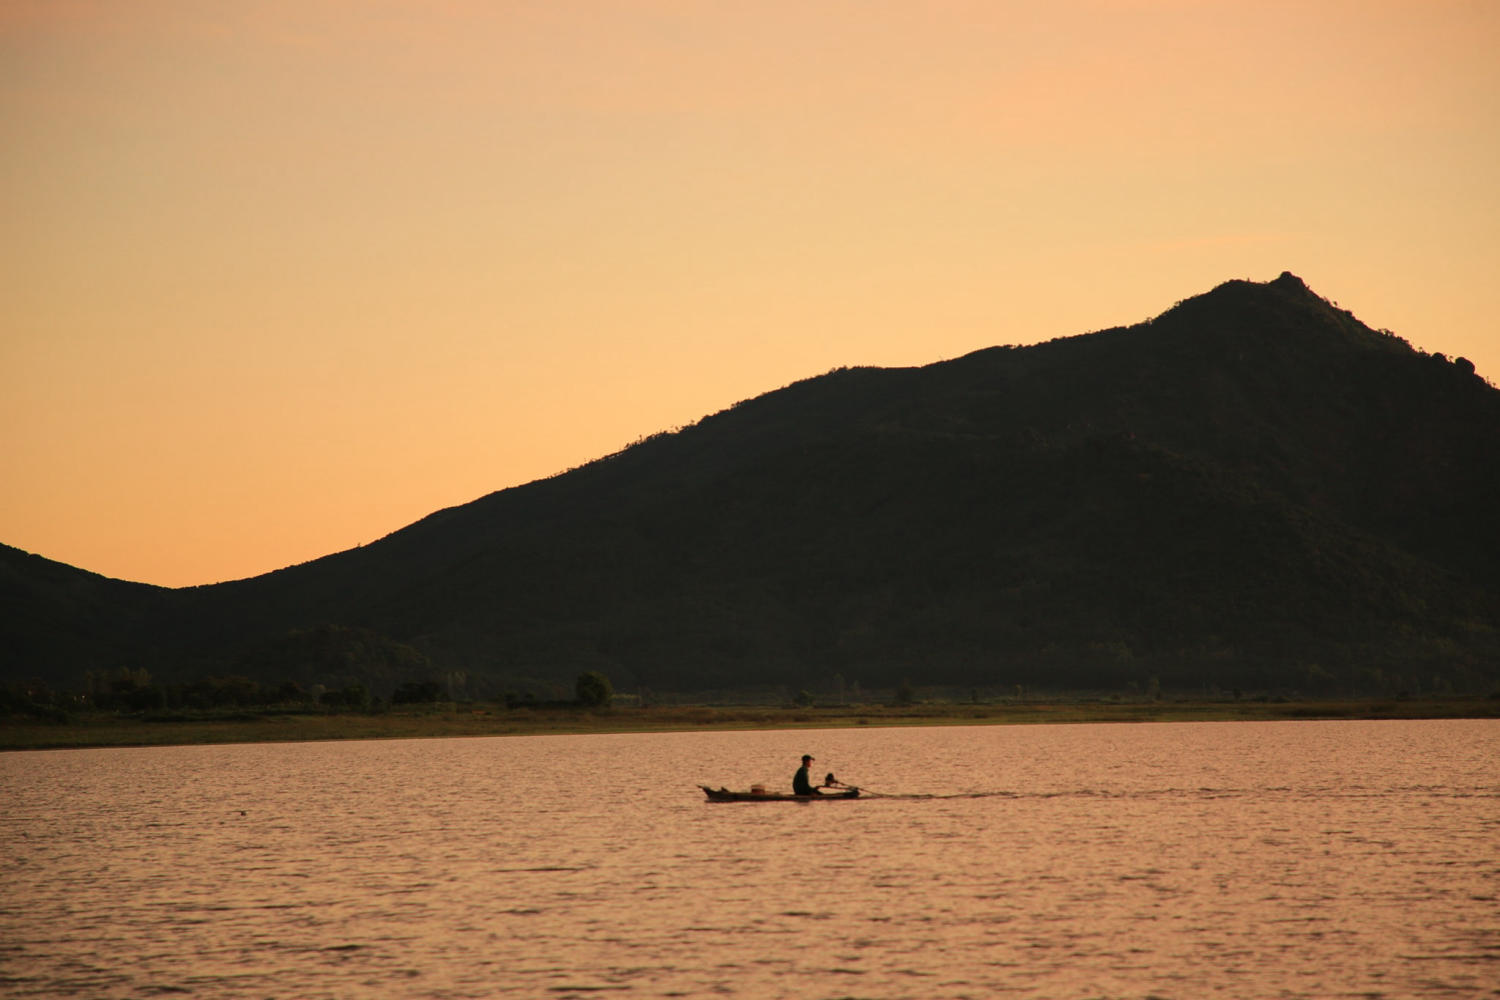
281 277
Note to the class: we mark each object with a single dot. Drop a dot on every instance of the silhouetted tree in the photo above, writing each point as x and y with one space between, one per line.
594 689
291 691
414 692
353 696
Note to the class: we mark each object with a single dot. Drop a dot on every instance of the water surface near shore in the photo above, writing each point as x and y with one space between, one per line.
1282 859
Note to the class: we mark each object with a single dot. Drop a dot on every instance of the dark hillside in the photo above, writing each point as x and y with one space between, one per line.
1253 490
57 622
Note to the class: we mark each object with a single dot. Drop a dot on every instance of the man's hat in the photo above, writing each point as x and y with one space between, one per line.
806 757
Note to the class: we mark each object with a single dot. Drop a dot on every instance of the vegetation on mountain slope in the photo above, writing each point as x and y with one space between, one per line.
1252 491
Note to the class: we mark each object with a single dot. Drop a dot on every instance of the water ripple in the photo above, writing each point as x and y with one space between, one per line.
1291 860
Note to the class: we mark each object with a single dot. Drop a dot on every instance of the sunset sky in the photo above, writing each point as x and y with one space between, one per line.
279 278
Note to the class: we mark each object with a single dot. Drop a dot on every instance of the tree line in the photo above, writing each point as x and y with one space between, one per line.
132 690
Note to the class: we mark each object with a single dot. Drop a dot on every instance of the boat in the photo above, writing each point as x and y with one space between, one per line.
759 794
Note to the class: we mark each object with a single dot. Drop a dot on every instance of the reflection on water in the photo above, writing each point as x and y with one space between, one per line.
1309 859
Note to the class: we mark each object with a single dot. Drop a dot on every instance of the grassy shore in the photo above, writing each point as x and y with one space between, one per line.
111 730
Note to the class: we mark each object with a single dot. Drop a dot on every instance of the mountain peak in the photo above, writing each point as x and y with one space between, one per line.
1286 286
1290 282
1284 305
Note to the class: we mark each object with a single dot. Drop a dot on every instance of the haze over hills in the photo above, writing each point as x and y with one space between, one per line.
1252 491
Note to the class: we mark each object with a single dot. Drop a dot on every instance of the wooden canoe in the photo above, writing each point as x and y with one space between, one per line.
725 795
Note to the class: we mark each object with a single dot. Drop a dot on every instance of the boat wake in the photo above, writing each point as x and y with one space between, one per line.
869 793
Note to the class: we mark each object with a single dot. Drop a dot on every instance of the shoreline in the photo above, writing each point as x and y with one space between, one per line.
104 730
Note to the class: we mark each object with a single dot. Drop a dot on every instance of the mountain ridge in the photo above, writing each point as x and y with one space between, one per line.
1252 489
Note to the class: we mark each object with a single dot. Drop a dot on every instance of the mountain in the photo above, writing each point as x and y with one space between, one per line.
1253 490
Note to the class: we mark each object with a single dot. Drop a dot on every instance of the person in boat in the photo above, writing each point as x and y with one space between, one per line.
801 783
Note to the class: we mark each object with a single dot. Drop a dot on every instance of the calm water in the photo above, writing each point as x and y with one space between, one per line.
1309 859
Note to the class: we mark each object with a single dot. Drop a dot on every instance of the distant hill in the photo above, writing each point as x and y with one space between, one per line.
1253 490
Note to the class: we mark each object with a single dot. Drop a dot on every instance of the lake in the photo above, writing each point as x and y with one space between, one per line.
1180 860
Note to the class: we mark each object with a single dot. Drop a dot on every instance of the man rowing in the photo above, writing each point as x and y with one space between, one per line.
801 783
